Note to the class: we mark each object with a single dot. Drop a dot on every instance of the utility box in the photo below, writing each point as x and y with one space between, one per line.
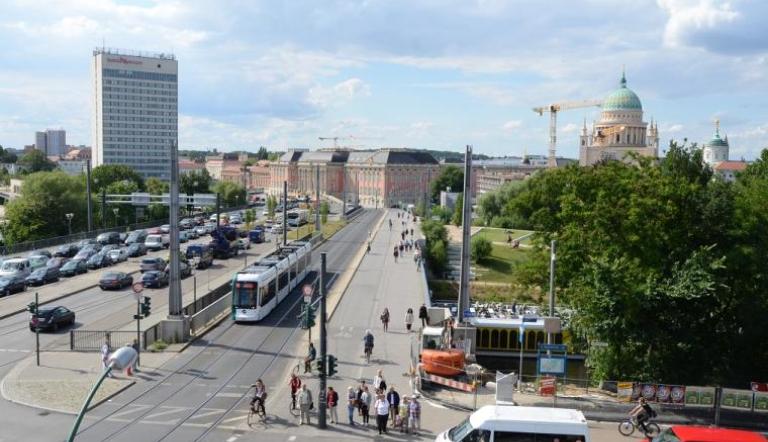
505 388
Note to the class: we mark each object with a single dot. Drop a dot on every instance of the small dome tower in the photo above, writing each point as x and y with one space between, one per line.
716 149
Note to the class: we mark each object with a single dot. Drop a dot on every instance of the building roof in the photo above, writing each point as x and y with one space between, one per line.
622 98
735 166
291 156
190 165
716 141
391 156
325 156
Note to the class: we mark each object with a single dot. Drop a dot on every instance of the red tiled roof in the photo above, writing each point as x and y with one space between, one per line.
736 166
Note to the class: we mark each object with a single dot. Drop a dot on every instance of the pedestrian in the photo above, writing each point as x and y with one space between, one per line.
365 405
385 319
136 361
351 404
378 382
402 416
105 350
305 404
360 391
393 398
411 231
414 414
409 319
311 355
295 384
382 413
423 315
396 254
333 401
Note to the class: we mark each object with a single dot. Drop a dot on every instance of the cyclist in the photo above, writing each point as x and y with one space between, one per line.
311 355
295 384
368 340
643 412
259 397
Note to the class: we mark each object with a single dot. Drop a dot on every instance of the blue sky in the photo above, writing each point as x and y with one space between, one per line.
398 73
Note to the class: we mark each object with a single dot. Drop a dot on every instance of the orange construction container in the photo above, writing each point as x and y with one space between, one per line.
443 362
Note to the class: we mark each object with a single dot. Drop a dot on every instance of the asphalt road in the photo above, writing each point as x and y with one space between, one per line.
200 394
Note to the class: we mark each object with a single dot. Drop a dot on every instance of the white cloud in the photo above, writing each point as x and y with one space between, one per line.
512 125
569 128
687 17
339 93
673 128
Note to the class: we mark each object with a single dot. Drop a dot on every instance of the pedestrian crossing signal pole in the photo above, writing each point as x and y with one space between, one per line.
323 349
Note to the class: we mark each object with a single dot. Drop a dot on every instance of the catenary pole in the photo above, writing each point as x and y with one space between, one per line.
465 237
285 212
174 288
552 261
89 201
323 348
317 199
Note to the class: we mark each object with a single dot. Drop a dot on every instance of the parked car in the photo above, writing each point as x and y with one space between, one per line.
136 249
37 261
154 231
185 269
56 262
12 284
43 275
109 238
85 254
118 255
183 236
689 433
43 252
109 247
157 242
154 278
115 280
244 243
192 233
201 230
51 318
154 263
98 261
209 227
165 228
67 250
86 242
73 267
16 266
137 236
201 255
185 224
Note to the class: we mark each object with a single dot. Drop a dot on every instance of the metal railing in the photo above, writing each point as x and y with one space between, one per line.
210 313
92 340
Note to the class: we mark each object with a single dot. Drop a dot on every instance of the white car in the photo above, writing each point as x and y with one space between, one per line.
277 228
157 242
201 230
118 255
243 243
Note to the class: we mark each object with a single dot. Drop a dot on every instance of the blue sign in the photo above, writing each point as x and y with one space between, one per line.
553 347
468 313
552 359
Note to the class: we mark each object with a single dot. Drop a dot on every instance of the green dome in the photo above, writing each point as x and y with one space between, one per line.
716 141
622 99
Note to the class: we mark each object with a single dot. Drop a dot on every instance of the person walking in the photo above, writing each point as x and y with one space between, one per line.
295 384
403 415
382 413
105 350
365 405
385 319
351 404
379 383
393 398
333 401
305 404
414 414
423 315
396 254
409 319
311 355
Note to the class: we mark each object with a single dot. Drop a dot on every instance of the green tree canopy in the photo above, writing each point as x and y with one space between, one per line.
6 156
107 174
450 176
458 211
36 161
198 181
232 194
481 248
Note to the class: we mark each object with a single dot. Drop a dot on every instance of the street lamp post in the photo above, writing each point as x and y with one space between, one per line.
69 222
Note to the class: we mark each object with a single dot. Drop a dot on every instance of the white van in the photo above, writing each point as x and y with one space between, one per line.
16 266
509 423
157 242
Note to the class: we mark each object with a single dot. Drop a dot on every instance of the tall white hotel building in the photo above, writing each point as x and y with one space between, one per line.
136 114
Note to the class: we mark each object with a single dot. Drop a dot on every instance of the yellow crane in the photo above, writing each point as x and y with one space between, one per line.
608 131
553 109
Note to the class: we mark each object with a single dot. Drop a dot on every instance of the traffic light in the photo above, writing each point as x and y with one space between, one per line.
146 306
332 365
307 317
310 316
320 365
32 308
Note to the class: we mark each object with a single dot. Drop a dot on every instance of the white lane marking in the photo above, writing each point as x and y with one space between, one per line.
137 408
232 439
171 410
14 350
233 395
210 413
232 419
292 438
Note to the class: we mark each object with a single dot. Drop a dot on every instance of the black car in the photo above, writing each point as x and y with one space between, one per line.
87 242
154 278
136 249
109 238
73 267
115 280
109 247
12 284
43 275
66 250
51 318
148 264
43 252
99 260
56 262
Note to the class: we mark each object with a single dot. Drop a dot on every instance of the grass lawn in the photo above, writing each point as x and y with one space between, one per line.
499 267
329 229
500 235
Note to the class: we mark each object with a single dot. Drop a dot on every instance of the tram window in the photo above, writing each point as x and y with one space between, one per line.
283 279
484 338
264 295
292 268
246 294
504 339
515 340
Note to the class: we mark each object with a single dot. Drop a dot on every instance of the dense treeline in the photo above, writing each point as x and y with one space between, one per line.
659 260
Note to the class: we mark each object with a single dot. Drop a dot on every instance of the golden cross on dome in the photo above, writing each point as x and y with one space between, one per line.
717 126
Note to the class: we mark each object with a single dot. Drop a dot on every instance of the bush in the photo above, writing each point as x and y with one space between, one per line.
481 248
438 257
158 346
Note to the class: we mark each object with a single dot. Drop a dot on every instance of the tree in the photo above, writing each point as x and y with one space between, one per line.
232 194
36 161
452 177
262 153
198 181
126 213
40 210
481 248
157 187
458 211
442 213
107 174
324 210
271 206
6 156
250 217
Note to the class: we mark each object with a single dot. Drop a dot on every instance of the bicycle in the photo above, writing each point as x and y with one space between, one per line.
368 351
627 427
257 409
293 407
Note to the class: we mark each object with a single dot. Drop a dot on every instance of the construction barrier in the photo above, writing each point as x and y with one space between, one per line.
449 382
547 386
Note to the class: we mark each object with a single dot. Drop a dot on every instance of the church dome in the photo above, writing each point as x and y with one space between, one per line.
716 141
622 98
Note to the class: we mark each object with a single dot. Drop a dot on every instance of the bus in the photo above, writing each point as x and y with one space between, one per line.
258 289
501 423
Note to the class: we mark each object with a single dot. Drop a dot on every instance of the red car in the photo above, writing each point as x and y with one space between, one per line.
685 433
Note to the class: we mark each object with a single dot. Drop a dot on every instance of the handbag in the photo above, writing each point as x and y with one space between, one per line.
312 405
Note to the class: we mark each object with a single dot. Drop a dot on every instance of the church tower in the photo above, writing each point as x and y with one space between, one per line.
717 149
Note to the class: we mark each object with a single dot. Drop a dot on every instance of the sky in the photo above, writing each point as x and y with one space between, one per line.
435 74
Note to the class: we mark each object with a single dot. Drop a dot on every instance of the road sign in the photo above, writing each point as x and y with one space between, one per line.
307 290
468 313
138 287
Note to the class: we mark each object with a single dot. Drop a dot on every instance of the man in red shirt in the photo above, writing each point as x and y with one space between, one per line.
295 384
333 401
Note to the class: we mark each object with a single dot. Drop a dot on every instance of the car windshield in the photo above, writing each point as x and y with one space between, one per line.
149 261
38 260
460 431
152 239
45 312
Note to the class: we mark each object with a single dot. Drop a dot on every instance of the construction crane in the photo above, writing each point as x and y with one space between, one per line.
608 131
553 109
335 140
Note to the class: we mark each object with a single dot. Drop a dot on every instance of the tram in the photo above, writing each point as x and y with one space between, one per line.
258 289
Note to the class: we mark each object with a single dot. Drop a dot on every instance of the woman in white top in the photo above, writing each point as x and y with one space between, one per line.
379 383
382 413
409 319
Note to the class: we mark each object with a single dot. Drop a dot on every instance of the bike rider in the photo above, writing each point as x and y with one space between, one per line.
259 397
643 412
368 340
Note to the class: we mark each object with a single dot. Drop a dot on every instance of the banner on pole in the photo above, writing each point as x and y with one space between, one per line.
699 396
